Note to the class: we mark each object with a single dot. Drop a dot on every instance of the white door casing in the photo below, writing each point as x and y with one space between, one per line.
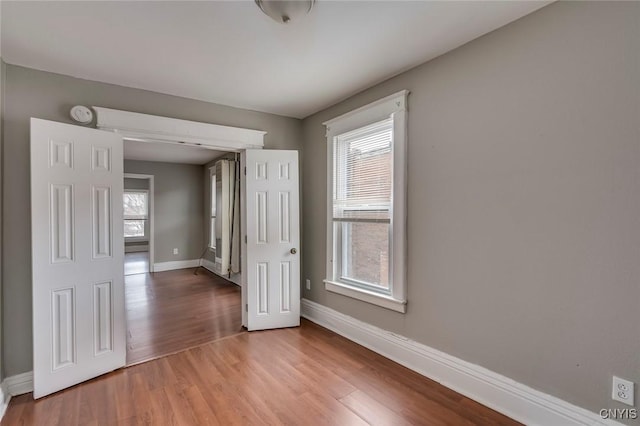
77 254
272 248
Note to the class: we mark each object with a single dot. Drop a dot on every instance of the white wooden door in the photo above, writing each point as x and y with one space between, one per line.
272 248
77 254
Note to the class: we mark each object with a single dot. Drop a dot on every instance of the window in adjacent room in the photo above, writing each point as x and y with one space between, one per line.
212 208
136 214
366 186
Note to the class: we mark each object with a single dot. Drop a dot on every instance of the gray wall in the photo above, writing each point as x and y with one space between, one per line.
523 201
31 93
135 183
2 67
2 74
178 204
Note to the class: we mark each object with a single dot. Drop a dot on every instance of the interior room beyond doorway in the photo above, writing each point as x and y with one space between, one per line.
136 263
173 299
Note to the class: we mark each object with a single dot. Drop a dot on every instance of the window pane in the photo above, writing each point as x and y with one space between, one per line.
135 205
133 228
365 253
212 223
363 172
213 195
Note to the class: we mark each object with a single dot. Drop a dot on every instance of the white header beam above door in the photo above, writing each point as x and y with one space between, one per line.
153 128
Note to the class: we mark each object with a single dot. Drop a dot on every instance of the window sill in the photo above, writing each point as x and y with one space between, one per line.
387 302
136 239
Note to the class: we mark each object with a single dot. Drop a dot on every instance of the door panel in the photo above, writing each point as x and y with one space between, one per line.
272 247
64 327
102 318
61 229
285 287
77 254
101 220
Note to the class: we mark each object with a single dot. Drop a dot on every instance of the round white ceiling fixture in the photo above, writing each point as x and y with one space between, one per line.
284 11
81 114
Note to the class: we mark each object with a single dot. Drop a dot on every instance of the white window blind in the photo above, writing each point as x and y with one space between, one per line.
136 213
135 205
363 174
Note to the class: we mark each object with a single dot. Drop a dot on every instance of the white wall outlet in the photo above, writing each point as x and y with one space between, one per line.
175 251
308 284
623 391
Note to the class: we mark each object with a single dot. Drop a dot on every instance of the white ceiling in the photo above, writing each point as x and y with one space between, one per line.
231 53
169 153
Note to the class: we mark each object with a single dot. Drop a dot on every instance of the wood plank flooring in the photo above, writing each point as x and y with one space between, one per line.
298 376
136 263
176 310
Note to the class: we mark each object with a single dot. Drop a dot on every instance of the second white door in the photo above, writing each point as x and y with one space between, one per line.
272 240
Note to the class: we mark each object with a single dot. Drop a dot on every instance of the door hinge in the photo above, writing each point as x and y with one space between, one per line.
246 307
245 170
245 239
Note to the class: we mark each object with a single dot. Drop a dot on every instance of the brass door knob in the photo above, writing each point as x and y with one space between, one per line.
293 251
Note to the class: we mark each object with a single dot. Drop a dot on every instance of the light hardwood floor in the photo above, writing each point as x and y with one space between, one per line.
136 263
176 310
299 376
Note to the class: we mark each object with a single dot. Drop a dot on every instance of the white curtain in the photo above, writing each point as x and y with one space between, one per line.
230 217
234 217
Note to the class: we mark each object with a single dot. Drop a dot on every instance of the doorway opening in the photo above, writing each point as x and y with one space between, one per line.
176 295
138 223
85 329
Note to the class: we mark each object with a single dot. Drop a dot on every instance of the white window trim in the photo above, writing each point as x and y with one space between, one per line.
144 237
395 105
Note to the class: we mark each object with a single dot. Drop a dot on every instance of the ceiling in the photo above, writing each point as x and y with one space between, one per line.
168 152
231 53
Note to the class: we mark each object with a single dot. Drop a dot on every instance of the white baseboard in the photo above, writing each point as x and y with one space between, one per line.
176 264
209 266
498 392
136 248
215 268
14 386
19 384
5 397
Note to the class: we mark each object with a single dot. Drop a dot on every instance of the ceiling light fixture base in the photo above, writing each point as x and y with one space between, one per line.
285 11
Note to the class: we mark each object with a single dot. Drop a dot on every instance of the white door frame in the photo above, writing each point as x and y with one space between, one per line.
151 214
155 129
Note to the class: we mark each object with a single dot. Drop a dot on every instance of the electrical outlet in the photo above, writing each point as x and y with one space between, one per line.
175 251
308 283
623 391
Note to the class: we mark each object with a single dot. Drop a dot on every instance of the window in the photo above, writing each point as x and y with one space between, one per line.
366 203
362 169
212 209
136 214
